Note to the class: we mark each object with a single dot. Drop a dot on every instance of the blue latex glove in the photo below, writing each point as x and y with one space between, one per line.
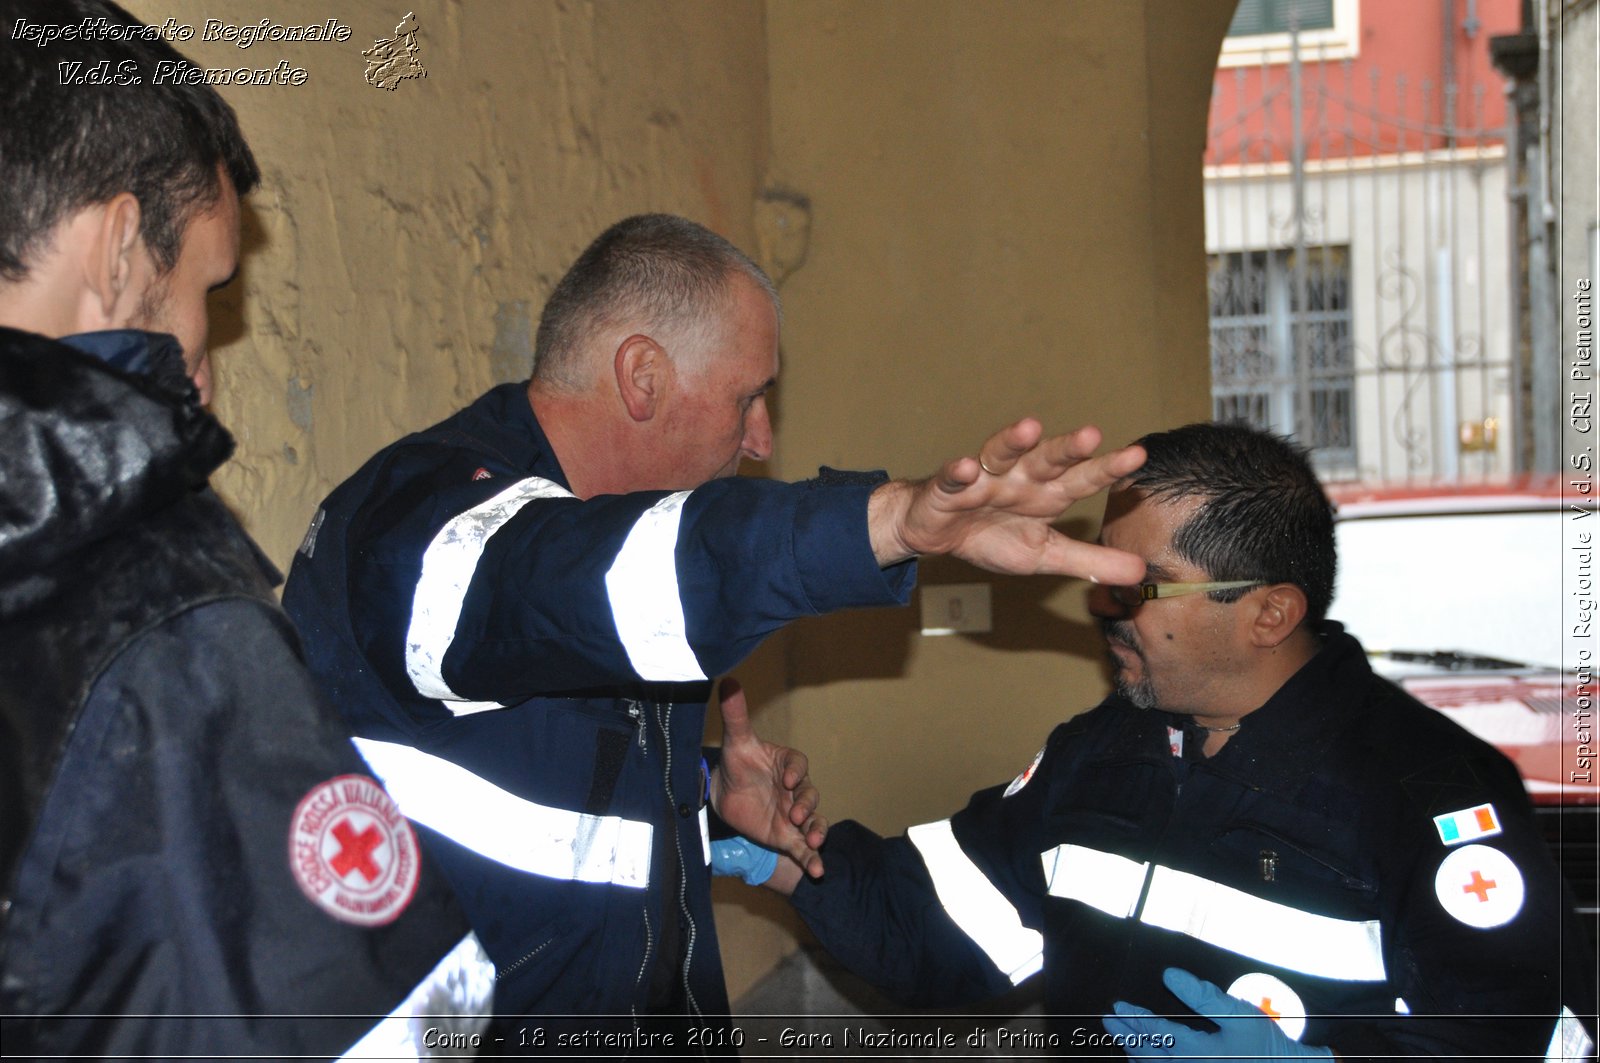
743 857
1245 1031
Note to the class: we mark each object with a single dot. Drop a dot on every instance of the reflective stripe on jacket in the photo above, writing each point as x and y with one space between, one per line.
1301 868
529 671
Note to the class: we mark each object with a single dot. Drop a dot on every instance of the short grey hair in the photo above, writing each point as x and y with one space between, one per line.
659 268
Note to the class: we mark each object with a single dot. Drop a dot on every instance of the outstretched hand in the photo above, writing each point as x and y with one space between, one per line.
763 790
995 511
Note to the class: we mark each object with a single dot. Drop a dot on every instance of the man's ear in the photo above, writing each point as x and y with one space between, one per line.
113 260
644 372
1279 615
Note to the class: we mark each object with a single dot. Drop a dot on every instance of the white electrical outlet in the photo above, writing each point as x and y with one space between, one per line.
956 608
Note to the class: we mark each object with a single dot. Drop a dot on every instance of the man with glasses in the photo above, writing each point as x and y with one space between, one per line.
1252 825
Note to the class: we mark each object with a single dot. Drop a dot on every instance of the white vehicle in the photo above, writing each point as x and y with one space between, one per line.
1457 592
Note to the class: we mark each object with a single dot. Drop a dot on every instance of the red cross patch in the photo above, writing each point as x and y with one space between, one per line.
1273 996
352 851
1479 885
1027 775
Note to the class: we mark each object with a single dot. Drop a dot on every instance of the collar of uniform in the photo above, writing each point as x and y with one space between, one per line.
503 419
1284 741
1138 734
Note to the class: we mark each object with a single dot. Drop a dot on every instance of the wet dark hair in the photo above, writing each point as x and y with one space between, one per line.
67 146
665 269
1264 515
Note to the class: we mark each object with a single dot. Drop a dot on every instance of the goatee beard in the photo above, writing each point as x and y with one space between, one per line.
1141 693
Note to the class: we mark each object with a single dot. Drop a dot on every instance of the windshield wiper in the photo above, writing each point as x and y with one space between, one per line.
1451 660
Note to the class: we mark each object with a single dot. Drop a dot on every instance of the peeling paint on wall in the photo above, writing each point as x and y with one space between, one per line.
783 231
298 403
511 357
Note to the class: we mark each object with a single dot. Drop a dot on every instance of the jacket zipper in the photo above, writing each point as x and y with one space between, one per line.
636 713
515 965
664 711
644 965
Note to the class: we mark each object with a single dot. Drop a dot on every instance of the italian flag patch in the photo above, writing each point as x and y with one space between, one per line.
1467 825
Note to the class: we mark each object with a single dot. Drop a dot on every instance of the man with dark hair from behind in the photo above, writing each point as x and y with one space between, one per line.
1253 824
190 844
520 610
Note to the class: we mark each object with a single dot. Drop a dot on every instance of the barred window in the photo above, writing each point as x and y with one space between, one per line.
1254 17
1267 351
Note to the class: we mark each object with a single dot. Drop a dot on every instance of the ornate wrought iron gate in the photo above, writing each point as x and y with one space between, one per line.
1357 228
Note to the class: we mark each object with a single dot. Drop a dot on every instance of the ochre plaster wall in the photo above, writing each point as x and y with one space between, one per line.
1005 219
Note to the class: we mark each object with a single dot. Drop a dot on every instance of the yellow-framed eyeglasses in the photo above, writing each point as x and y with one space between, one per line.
1144 592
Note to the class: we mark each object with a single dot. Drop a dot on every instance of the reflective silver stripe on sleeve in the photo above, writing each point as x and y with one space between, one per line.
456 999
447 568
1570 1042
539 839
1105 881
981 911
1264 930
643 586
1218 915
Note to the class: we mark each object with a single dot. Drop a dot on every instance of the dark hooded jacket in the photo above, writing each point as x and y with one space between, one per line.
189 844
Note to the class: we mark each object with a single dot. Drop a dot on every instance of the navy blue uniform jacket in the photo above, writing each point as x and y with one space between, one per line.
528 673
1350 860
